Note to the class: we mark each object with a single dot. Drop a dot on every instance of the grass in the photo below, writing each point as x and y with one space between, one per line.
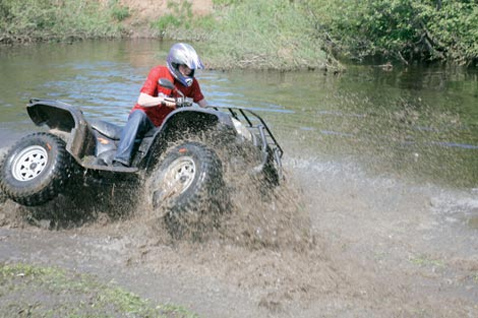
47 292
423 261
267 34
24 21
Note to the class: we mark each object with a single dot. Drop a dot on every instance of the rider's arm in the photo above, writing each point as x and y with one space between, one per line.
203 102
147 100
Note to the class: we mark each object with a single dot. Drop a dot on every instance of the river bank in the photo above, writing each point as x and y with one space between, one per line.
271 37
144 13
267 34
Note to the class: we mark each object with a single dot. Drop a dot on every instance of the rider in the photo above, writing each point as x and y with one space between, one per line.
156 102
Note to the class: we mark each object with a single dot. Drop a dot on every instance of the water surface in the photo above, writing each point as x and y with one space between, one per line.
416 122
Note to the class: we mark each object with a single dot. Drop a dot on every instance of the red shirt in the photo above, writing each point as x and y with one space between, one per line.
152 88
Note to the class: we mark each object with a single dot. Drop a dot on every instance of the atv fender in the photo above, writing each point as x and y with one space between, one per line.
195 118
190 120
64 118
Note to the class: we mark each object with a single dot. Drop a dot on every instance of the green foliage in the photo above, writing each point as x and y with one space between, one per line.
404 29
283 34
296 34
180 23
166 22
118 11
35 20
268 34
453 30
225 2
180 16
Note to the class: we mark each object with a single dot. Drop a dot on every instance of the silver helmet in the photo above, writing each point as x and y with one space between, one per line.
183 54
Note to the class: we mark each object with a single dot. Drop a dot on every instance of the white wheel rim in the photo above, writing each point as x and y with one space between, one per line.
180 174
30 163
178 178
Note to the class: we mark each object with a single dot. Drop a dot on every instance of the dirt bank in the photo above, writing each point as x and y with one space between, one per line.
143 12
153 9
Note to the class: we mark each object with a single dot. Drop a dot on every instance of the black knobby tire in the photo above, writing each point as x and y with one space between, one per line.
35 169
271 174
187 185
3 196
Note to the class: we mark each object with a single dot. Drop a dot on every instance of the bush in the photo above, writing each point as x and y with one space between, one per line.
37 20
401 29
118 11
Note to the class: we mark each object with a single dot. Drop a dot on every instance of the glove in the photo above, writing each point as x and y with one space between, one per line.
169 102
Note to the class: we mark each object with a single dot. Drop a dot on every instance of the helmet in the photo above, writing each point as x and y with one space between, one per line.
183 54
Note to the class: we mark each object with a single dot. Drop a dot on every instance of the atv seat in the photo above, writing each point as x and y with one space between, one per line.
108 129
111 130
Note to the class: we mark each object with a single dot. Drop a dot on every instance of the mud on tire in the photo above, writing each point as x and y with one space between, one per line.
188 187
35 169
3 197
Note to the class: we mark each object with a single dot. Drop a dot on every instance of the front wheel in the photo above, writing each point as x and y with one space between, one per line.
188 186
35 169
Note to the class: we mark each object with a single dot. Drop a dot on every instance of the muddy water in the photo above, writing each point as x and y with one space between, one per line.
415 122
382 169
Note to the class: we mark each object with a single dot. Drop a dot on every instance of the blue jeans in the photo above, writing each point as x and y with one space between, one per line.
138 124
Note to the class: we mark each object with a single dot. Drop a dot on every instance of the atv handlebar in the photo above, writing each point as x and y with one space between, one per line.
180 101
184 102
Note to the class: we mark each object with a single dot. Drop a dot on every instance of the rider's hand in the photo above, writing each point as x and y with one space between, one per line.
169 102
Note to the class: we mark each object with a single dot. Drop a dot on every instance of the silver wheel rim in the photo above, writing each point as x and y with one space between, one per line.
178 178
30 163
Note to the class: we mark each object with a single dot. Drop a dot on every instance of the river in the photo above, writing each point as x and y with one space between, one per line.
416 122
383 164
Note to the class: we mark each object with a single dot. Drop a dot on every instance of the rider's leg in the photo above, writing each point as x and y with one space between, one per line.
138 124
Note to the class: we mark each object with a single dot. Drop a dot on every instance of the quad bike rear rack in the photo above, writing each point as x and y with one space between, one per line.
257 126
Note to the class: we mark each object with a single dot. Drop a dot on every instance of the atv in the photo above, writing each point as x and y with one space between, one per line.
177 169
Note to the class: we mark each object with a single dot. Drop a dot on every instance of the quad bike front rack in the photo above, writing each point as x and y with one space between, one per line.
257 126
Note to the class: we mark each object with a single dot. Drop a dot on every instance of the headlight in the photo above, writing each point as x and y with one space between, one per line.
241 130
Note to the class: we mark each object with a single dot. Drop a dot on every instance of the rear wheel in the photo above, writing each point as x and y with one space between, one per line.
187 187
35 169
